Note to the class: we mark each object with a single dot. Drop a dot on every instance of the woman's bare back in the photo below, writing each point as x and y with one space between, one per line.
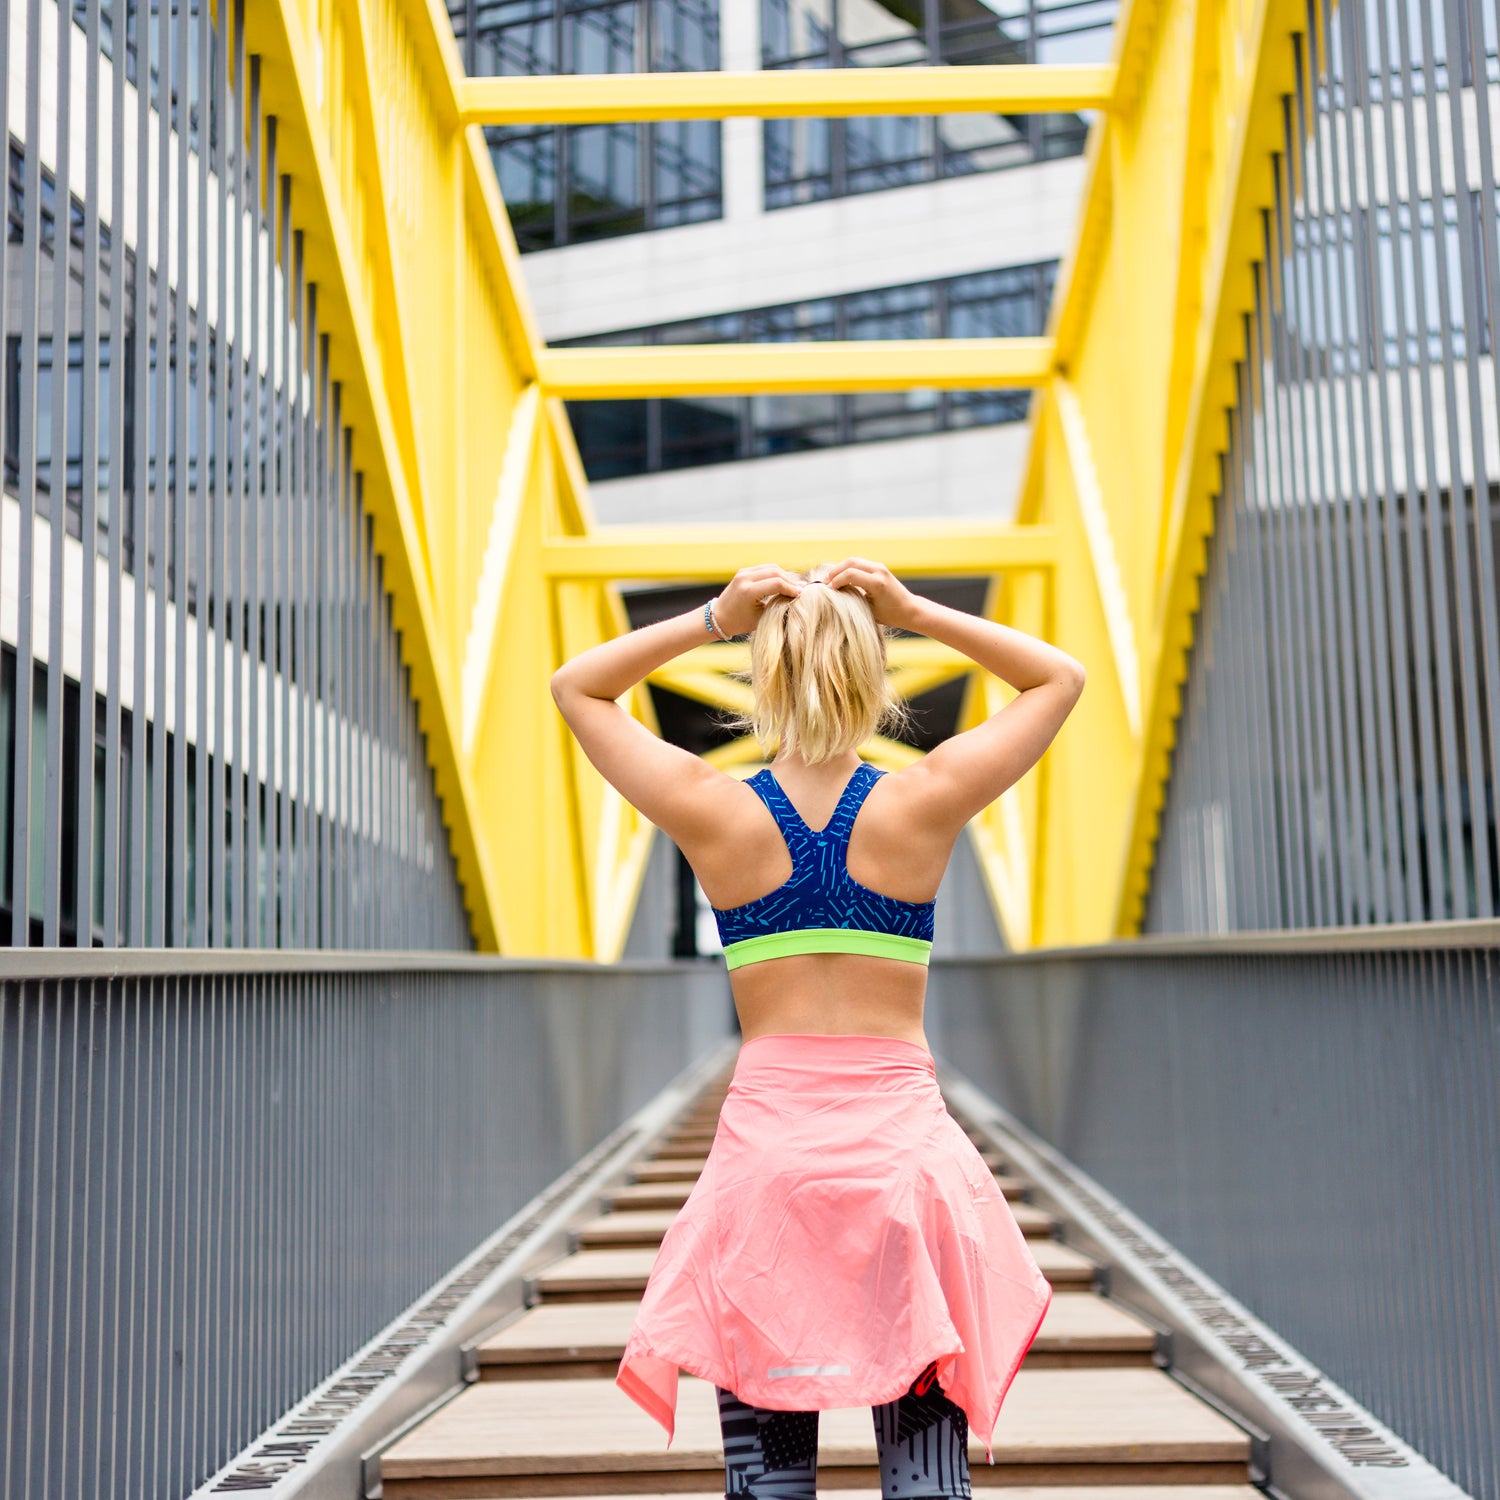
892 850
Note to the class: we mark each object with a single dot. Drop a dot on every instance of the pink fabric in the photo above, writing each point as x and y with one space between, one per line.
844 1234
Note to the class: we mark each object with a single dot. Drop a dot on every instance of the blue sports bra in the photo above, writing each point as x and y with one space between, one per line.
821 908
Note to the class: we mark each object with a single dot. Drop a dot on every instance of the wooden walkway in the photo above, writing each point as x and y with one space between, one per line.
1089 1416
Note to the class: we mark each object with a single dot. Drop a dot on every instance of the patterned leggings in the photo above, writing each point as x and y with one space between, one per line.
921 1438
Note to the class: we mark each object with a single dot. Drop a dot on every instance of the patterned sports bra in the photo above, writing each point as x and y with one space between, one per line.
822 908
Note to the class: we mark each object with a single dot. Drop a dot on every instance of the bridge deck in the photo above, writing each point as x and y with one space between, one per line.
1088 1415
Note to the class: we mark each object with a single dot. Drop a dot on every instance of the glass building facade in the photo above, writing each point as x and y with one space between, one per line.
566 184
806 160
618 438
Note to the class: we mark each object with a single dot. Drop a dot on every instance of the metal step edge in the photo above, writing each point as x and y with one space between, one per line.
326 1447
1294 1455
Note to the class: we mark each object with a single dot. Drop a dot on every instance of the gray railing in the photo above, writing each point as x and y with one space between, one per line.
1314 1119
220 1175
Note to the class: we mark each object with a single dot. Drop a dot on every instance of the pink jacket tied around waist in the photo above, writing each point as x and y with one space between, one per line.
844 1234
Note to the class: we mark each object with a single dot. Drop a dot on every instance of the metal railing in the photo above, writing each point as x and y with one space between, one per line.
1312 1118
220 1175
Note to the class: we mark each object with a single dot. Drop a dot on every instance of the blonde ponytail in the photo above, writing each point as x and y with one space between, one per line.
818 673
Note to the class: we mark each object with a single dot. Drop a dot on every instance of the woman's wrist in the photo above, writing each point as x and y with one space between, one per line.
712 624
918 615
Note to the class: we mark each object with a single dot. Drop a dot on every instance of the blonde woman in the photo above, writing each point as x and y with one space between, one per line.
845 1244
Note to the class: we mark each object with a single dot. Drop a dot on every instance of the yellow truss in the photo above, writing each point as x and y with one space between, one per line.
498 571
728 369
596 98
716 550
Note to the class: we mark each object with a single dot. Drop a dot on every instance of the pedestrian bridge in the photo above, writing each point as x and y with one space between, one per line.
301 1197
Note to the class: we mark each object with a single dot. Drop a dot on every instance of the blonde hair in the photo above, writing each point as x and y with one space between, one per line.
818 673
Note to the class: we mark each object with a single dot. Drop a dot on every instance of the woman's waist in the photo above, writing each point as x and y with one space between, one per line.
831 994
833 1063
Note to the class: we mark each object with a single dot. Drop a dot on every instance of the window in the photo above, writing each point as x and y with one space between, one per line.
618 438
566 184
806 160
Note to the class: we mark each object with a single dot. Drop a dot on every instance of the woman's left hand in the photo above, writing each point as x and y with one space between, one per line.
740 603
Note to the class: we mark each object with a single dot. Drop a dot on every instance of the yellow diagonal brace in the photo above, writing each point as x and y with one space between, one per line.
744 753
291 86
715 551
481 645
916 652
1188 518
708 687
915 664
1106 565
611 374
590 99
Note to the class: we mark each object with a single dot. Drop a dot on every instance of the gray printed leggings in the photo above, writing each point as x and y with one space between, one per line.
921 1440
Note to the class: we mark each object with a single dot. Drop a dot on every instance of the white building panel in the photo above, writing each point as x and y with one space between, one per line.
973 473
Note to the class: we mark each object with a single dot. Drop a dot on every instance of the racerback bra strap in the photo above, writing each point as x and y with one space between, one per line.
801 840
841 824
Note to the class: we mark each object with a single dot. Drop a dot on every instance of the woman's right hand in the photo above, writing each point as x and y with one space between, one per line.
747 593
890 600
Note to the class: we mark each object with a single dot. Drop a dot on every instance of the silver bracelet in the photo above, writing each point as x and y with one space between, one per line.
711 623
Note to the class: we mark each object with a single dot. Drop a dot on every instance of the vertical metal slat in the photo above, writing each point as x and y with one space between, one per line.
30 356
161 852
83 770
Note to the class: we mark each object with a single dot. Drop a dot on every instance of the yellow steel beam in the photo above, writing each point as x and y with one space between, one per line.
343 259
1126 440
914 652
1088 495
611 374
592 98
716 674
742 756
496 570
1250 124
718 550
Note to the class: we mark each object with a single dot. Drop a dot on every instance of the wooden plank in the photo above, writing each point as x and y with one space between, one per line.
675 1170
1060 1492
710 1483
637 1227
648 1195
556 1332
1123 1417
561 1330
615 1272
1086 1320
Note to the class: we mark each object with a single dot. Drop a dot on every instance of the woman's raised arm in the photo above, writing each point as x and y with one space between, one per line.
671 786
965 773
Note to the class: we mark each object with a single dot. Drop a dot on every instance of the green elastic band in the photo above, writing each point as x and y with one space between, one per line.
827 940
